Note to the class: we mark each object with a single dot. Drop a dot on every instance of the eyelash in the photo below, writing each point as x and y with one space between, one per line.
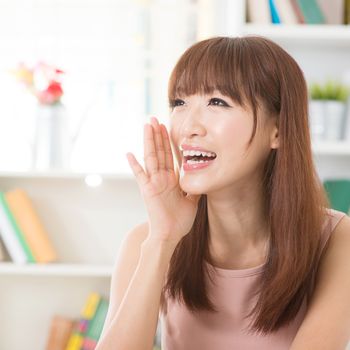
173 103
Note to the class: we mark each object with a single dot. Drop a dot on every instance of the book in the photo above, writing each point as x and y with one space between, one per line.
76 338
30 224
9 236
60 330
286 12
258 11
297 11
274 14
333 11
346 12
17 230
311 12
338 191
95 326
3 253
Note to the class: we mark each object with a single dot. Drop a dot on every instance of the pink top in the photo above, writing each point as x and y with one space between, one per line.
182 330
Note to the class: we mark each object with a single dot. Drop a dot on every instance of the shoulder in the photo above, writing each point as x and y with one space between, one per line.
328 313
130 248
136 235
337 251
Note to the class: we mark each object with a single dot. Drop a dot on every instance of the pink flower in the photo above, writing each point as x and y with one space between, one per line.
43 81
51 94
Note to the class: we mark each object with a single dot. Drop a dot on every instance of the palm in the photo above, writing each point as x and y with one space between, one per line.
171 212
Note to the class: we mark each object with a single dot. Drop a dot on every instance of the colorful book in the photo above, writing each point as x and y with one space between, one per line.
95 326
80 330
297 11
346 12
286 12
258 11
274 13
9 235
17 230
60 330
333 11
338 191
31 226
311 12
3 253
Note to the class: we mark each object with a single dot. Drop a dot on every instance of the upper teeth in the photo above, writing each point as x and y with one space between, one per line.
198 153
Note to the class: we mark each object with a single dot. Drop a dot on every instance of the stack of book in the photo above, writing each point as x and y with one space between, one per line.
298 11
21 230
82 333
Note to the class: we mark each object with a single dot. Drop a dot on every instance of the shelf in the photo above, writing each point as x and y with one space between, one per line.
63 175
341 148
58 270
334 35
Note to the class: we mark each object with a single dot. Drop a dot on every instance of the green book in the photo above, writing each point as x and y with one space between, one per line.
28 253
338 191
95 326
311 12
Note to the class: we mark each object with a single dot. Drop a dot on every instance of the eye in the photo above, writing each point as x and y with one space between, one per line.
218 102
176 103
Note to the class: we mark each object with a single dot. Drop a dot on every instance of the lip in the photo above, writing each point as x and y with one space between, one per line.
198 166
185 147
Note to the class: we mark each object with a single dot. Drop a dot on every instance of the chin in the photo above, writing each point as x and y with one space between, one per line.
193 187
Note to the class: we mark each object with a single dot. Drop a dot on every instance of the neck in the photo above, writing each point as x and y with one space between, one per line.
238 228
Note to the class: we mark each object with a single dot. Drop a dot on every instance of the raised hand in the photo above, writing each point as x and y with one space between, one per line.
171 213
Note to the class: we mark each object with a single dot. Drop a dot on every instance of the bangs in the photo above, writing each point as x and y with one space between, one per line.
208 66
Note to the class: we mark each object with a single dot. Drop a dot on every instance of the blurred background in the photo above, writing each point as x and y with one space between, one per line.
78 80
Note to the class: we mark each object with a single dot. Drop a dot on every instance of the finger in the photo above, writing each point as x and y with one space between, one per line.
137 169
158 143
169 162
150 154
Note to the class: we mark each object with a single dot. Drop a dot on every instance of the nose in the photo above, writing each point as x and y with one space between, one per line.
193 123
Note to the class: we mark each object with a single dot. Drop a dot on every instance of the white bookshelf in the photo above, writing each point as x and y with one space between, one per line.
62 270
325 35
340 148
86 226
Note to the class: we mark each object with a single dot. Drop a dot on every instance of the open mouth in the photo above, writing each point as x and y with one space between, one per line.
193 157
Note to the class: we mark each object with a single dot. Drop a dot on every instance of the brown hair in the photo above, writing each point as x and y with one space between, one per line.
255 71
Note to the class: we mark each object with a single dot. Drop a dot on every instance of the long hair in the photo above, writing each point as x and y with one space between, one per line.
255 71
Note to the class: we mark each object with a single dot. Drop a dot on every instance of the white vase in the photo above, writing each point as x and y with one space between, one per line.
51 149
317 120
335 120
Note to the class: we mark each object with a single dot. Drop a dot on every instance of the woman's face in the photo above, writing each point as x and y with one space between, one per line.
216 123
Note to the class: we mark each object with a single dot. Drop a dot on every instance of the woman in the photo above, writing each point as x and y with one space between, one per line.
241 249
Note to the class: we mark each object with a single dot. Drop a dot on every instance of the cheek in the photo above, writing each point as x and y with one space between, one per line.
174 140
234 135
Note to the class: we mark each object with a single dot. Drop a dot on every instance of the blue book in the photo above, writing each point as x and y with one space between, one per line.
274 14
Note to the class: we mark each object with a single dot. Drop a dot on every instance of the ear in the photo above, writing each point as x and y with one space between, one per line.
274 140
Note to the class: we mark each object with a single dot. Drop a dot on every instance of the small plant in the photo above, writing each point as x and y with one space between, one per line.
331 90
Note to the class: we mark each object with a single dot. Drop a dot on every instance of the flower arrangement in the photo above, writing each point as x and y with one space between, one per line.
42 80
